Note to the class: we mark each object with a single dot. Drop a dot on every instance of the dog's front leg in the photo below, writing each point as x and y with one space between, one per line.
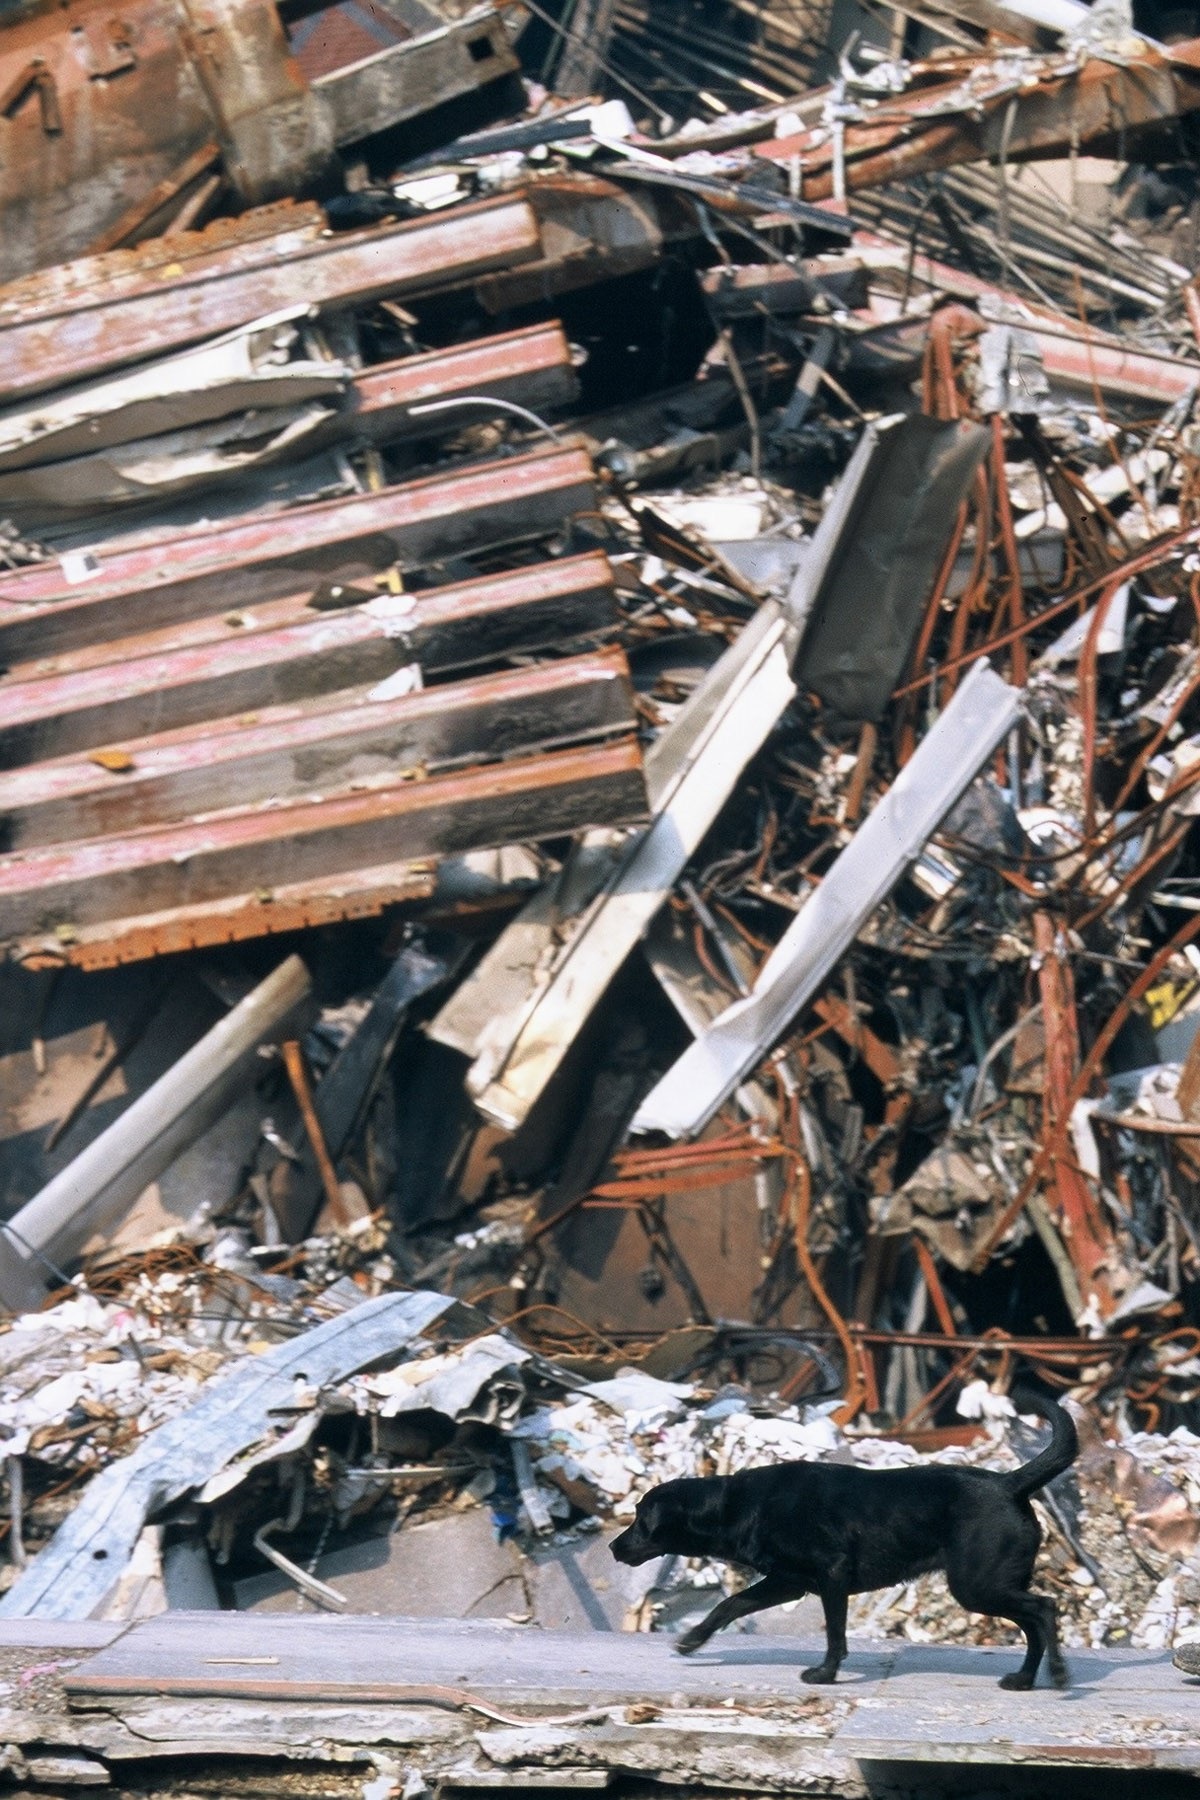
835 1602
770 1591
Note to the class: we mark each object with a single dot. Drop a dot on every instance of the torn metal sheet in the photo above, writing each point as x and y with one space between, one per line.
418 396
982 712
155 468
534 1008
70 326
864 585
95 1189
76 1570
251 368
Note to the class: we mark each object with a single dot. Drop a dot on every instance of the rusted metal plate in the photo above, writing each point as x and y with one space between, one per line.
91 333
288 752
238 563
113 119
51 889
381 87
102 104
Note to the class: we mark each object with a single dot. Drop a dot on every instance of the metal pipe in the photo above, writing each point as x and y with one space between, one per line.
95 1190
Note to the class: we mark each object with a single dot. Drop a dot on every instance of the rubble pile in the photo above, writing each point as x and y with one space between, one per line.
469 1418
600 645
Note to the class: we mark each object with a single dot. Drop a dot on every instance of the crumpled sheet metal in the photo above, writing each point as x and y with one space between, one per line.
71 1577
950 1199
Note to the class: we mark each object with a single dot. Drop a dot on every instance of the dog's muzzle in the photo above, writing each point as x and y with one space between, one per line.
630 1547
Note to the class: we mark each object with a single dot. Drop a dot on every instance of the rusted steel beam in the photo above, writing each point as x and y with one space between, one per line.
48 889
120 700
237 563
591 230
531 367
1074 354
462 625
286 752
976 109
48 346
1085 1233
108 276
739 291
291 906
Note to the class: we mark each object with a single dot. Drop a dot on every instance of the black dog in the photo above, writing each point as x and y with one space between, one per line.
833 1530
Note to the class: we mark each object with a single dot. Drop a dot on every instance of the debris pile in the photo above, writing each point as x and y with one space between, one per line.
459 1416
601 727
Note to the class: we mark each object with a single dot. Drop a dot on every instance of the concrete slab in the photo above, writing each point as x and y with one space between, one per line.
739 1698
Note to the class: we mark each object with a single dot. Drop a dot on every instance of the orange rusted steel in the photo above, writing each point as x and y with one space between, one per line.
1086 1235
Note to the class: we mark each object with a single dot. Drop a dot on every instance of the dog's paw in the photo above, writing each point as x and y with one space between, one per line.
1059 1675
689 1642
1018 1682
821 1676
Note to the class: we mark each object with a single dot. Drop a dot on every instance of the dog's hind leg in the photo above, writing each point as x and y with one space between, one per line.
772 1590
1036 1616
835 1602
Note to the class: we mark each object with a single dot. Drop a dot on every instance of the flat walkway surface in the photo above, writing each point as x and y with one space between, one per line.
900 1702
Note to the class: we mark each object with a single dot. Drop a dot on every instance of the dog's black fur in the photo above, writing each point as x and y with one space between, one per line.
836 1530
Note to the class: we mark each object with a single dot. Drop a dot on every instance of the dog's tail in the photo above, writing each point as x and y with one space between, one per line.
1059 1453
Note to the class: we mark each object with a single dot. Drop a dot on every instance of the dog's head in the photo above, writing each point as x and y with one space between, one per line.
665 1523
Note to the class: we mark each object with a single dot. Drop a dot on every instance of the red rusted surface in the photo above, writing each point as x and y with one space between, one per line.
112 312
114 119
